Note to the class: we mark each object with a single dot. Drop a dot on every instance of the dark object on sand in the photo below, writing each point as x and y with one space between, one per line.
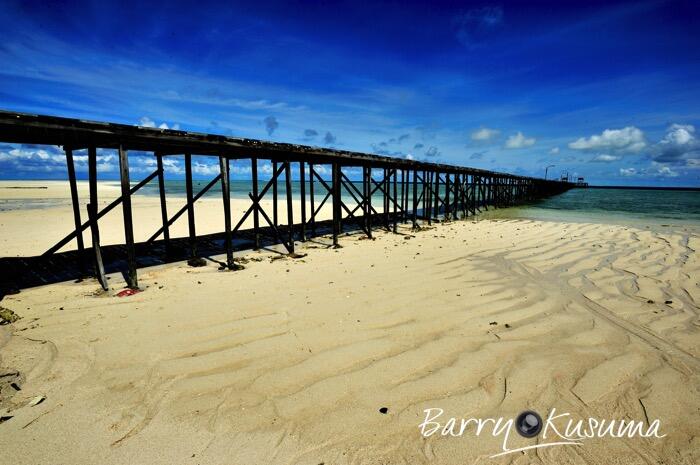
128 292
493 323
197 262
7 316
668 302
384 410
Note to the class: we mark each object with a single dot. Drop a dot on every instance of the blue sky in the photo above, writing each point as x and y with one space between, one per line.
605 90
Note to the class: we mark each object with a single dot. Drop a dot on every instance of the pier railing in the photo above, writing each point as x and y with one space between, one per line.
410 191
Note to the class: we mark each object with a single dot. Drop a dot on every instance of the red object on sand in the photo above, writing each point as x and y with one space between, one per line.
128 292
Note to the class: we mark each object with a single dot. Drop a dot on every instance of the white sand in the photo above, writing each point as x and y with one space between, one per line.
288 361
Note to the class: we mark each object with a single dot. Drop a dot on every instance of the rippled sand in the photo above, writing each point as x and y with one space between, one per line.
289 361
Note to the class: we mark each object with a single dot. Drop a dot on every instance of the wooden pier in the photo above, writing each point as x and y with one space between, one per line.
411 191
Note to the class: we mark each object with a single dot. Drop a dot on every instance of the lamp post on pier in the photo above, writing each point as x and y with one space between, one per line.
545 171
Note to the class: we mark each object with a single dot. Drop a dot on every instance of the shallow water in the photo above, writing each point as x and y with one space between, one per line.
634 207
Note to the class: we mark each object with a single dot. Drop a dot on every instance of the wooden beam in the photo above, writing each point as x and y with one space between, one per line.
94 229
302 194
335 184
226 197
190 206
290 206
163 203
256 216
132 278
76 204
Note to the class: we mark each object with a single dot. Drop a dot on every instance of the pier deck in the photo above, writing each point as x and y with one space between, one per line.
410 191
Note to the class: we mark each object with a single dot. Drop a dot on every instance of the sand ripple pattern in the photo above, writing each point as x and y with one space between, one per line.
288 362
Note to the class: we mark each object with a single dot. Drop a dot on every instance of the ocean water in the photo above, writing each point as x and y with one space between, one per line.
633 207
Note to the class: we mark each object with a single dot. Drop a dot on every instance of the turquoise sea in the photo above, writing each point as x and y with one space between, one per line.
634 207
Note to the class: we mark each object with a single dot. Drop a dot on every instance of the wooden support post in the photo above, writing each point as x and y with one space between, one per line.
290 206
457 196
385 192
190 205
395 202
447 196
402 215
99 266
302 193
256 216
437 194
132 278
367 194
226 197
429 199
274 197
93 219
76 206
163 203
415 199
335 184
311 199
424 191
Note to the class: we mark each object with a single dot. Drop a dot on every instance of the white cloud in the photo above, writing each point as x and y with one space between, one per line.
628 139
518 141
679 134
554 151
606 158
678 145
207 169
657 170
484 134
146 122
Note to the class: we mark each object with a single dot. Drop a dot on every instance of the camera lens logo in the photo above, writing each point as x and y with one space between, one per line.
528 424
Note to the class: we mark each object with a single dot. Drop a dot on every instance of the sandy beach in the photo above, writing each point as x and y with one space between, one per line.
289 361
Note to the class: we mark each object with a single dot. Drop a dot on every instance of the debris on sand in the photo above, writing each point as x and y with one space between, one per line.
197 262
128 292
7 316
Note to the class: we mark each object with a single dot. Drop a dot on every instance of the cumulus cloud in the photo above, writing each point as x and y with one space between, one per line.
605 158
519 140
679 145
554 151
626 140
270 124
477 24
628 172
